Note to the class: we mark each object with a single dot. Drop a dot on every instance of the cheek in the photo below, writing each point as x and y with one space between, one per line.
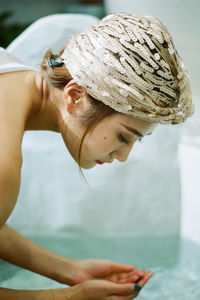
97 144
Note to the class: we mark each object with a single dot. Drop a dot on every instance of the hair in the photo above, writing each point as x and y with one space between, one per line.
59 77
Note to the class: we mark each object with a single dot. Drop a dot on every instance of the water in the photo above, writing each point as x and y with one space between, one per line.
175 263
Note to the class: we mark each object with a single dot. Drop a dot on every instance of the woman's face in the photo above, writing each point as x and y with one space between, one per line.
113 138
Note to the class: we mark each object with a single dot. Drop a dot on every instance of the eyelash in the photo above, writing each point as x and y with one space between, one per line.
123 140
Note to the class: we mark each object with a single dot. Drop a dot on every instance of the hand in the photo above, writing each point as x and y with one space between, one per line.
98 290
90 269
105 290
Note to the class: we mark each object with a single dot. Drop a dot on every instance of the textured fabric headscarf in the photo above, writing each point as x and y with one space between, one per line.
130 64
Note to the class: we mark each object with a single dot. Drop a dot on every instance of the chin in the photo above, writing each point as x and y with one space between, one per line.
87 166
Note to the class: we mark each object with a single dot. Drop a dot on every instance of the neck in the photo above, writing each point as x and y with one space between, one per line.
45 112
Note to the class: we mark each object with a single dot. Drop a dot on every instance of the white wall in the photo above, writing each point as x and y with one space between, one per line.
189 157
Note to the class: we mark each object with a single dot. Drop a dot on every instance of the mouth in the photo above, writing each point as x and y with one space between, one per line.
99 162
103 162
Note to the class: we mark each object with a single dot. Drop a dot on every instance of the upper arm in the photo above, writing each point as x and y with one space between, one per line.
10 177
11 135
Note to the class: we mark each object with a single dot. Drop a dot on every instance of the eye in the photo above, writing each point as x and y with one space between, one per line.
122 139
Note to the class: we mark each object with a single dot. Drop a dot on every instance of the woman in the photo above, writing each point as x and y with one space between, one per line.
107 88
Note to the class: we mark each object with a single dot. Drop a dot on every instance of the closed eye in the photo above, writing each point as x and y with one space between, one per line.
122 139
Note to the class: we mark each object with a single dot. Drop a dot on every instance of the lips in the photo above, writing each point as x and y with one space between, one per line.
100 162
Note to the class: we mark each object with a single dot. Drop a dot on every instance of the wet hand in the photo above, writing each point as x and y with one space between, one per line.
101 289
107 270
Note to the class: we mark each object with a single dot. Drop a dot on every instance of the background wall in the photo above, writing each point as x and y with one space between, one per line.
15 16
27 11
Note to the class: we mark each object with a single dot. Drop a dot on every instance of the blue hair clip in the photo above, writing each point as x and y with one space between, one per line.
55 62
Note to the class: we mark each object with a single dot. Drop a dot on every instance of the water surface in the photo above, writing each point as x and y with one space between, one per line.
175 263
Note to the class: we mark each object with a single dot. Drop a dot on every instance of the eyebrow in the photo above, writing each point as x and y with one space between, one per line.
133 130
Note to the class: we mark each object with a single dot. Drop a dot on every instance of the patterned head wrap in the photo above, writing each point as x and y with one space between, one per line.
130 64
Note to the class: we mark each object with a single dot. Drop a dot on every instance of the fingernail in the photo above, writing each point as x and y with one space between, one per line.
137 287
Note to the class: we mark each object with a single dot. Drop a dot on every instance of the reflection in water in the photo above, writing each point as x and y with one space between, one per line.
175 263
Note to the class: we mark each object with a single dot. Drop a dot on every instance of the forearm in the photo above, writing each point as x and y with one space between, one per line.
18 250
72 293
8 294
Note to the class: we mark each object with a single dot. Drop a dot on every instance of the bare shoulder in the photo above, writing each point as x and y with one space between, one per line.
10 172
14 108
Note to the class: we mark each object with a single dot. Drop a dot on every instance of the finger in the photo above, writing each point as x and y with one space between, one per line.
116 267
121 297
144 280
130 294
114 278
132 291
123 279
120 289
126 279
140 273
135 276
130 277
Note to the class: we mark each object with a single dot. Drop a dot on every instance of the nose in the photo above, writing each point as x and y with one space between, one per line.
122 152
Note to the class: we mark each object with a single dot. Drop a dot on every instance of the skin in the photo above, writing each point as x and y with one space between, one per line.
28 103
100 144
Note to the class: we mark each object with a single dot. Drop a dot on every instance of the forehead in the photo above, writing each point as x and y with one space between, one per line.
142 126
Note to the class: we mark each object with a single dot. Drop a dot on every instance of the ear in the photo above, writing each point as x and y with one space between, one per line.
75 97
